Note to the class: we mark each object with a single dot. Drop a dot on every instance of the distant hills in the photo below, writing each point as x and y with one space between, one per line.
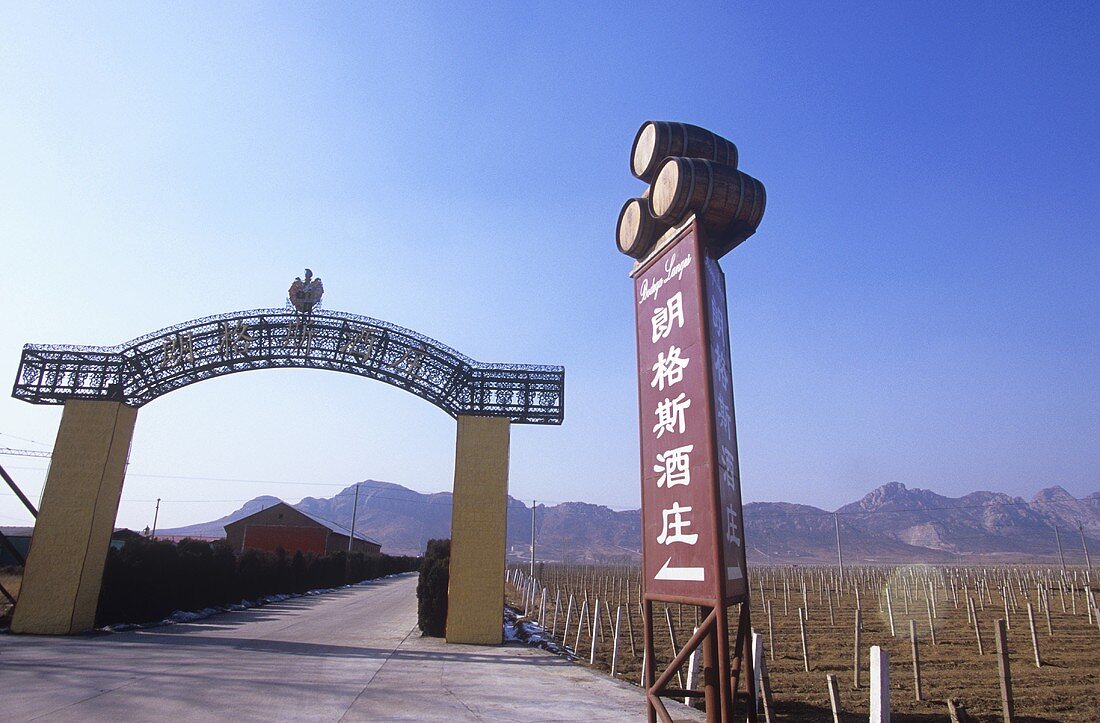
892 523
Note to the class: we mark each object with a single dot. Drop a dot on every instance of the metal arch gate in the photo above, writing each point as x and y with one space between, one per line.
102 388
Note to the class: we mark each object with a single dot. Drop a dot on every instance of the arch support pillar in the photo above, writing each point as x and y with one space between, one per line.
479 514
64 570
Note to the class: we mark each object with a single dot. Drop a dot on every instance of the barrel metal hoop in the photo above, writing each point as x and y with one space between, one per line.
710 189
740 195
691 190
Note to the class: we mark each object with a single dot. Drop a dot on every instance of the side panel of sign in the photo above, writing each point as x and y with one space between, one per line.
679 540
730 521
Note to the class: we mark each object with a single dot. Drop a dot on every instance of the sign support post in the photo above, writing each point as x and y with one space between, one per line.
693 549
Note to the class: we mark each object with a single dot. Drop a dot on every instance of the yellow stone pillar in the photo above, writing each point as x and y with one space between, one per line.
61 581
479 514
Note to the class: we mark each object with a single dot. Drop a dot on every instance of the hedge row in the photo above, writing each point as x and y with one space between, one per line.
147 580
431 589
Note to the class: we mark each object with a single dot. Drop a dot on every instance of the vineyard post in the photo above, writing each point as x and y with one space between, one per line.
691 673
1084 546
916 659
978 634
766 691
595 630
771 631
1061 556
834 697
568 615
615 642
533 537
1005 672
880 685
805 647
855 650
890 611
1034 637
931 624
839 556
675 645
758 663
581 616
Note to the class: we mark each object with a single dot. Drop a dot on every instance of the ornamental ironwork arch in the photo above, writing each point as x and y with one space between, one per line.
141 370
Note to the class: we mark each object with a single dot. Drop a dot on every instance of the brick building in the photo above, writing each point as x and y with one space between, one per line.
291 529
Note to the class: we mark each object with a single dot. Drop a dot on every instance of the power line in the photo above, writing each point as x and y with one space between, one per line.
24 439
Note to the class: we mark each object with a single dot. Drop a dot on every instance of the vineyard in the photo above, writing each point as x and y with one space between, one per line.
937 624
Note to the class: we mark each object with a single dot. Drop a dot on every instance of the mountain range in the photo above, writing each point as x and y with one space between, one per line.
892 523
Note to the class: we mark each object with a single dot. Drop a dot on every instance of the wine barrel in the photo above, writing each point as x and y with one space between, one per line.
637 230
721 197
657 140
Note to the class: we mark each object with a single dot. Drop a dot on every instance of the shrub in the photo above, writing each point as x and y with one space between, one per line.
431 590
147 579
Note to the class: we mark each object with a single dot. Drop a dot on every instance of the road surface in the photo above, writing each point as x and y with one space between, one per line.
354 654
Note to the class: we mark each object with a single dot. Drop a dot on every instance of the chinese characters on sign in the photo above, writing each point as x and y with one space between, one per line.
686 405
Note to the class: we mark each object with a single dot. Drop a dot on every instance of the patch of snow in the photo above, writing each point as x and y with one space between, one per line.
520 629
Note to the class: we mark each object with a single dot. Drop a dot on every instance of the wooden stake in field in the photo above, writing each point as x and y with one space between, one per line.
615 643
880 685
771 632
805 647
931 624
855 650
692 667
1005 671
581 617
758 664
834 697
916 659
1034 638
890 612
766 691
568 615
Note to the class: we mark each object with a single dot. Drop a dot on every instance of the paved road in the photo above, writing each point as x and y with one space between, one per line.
353 654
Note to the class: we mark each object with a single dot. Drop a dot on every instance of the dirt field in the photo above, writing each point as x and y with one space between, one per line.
1065 688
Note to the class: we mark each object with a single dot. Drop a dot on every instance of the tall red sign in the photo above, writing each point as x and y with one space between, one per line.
693 537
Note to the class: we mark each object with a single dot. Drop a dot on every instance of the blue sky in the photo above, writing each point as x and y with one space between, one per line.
919 304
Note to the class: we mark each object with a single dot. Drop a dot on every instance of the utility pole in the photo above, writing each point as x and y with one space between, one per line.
1088 562
839 556
533 539
354 512
1061 556
156 514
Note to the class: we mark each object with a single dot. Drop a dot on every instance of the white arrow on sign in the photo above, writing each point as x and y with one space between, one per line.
679 573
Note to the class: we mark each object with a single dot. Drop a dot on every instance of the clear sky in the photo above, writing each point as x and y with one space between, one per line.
920 303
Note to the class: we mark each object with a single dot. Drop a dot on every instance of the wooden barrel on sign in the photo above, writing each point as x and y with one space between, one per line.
637 230
721 197
657 140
